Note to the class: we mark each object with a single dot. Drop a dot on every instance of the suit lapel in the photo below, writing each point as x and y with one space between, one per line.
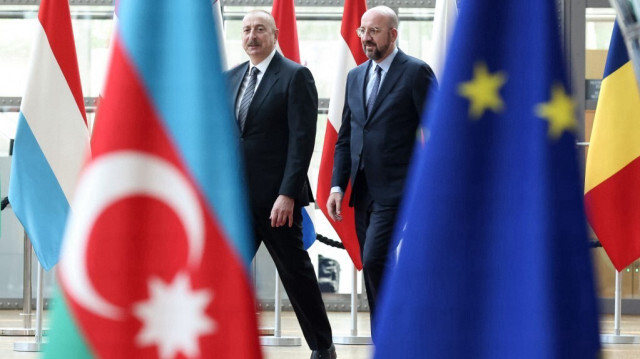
236 82
269 79
390 79
362 80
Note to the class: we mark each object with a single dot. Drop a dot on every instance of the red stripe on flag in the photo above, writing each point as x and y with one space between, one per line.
346 228
614 214
55 17
353 11
284 14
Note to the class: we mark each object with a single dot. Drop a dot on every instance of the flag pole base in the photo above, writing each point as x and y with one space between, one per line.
20 332
280 341
15 332
28 347
619 339
352 340
266 331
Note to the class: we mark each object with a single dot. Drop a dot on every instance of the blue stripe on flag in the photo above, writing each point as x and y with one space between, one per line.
33 181
617 56
308 229
210 144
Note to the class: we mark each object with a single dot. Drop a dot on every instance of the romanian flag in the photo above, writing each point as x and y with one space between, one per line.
495 259
155 258
612 179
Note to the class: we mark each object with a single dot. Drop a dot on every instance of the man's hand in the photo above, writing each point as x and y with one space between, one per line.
282 211
334 205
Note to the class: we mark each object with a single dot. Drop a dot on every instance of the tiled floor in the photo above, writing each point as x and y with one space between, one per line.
341 323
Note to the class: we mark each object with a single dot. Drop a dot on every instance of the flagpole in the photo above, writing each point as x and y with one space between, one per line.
353 338
261 331
38 344
26 296
277 339
616 337
26 283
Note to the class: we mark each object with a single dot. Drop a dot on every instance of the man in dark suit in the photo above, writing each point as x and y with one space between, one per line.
384 100
276 106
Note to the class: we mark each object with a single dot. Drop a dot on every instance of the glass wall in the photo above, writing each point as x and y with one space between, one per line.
319 38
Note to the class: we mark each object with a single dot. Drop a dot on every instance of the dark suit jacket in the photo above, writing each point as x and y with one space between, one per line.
279 132
384 140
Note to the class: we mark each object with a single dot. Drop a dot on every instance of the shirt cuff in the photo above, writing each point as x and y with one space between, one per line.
337 189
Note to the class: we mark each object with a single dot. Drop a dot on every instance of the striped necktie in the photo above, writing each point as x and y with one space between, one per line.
246 98
374 91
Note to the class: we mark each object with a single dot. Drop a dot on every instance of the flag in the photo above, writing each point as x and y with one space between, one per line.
52 136
308 227
155 260
114 32
219 21
444 20
612 197
284 14
348 56
495 259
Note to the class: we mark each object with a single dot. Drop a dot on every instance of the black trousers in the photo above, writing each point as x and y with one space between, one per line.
374 228
297 274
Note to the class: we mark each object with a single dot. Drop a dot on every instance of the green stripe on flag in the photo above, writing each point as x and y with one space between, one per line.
65 339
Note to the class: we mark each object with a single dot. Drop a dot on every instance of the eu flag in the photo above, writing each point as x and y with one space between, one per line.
494 261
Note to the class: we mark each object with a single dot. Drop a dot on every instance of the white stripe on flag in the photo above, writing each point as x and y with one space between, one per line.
53 116
345 62
446 14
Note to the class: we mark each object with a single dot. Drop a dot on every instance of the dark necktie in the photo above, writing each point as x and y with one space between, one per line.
374 91
246 98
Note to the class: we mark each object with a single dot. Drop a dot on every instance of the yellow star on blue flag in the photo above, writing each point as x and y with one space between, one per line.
483 91
559 111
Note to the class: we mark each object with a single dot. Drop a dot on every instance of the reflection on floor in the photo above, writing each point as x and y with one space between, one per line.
341 323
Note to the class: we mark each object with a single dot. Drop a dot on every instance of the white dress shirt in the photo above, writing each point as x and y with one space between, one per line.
262 67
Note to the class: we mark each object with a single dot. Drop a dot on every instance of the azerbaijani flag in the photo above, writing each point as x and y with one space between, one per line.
52 137
155 260
349 55
612 178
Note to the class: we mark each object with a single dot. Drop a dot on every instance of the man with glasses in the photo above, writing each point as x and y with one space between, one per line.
384 100
276 107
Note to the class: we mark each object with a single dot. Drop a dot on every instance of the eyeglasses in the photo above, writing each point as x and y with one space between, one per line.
361 31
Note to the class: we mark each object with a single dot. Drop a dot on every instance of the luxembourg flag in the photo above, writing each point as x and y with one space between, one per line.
155 258
349 55
52 138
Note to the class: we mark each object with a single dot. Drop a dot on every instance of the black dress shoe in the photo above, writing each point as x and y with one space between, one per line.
325 353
